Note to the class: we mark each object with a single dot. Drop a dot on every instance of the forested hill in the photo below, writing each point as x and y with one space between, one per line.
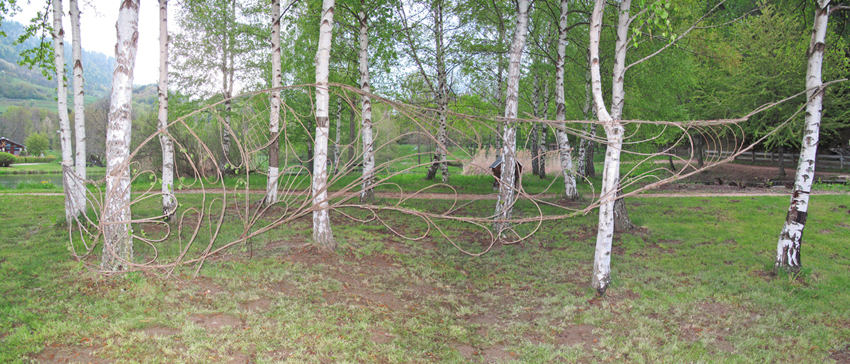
20 83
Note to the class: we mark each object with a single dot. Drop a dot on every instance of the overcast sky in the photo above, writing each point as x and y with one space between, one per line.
97 23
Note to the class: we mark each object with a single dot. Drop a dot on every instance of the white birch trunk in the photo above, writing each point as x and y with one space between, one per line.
79 181
337 138
118 240
535 129
62 108
322 234
618 99
585 143
564 148
367 194
542 149
507 187
791 237
169 203
274 116
611 173
441 96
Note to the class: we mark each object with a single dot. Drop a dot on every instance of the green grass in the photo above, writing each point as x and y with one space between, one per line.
695 285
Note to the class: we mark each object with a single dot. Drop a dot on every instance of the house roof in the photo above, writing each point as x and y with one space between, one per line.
10 141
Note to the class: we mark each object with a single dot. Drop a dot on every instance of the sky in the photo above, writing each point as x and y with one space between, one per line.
97 31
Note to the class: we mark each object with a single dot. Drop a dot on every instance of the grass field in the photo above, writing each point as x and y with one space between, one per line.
695 284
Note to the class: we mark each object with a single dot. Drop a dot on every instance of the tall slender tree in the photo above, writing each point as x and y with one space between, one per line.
441 93
118 239
611 173
79 184
507 187
322 234
791 237
564 148
169 203
274 113
62 106
367 194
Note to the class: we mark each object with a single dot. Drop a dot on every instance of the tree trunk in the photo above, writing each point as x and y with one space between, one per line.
700 150
440 159
508 185
79 185
544 131
611 174
589 167
782 161
621 215
672 166
337 137
310 146
585 145
169 203
352 135
62 106
274 112
570 191
367 194
322 234
118 238
791 237
535 130
618 99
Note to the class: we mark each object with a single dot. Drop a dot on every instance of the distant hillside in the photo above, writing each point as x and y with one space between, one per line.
18 83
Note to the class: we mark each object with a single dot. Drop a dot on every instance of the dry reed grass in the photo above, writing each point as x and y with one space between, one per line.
480 162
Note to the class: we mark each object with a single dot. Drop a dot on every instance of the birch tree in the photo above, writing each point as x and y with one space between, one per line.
274 116
118 239
367 194
62 106
611 172
564 148
216 43
322 234
791 237
440 90
618 99
507 187
441 93
169 204
78 184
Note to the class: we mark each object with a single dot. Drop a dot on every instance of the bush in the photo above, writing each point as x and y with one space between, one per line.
47 159
6 159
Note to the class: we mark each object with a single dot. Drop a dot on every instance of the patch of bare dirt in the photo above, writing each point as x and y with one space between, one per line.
215 321
840 355
493 354
577 335
381 337
69 354
261 304
161 331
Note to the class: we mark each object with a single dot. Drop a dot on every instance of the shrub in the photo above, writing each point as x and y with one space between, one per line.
47 159
6 159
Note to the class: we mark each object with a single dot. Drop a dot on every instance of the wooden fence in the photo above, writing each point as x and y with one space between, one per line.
790 159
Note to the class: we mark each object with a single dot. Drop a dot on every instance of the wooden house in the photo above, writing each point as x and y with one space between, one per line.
11 147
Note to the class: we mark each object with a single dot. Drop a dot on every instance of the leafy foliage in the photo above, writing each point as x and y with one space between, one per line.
6 159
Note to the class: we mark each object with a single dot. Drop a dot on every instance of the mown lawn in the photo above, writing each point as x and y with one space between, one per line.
695 284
